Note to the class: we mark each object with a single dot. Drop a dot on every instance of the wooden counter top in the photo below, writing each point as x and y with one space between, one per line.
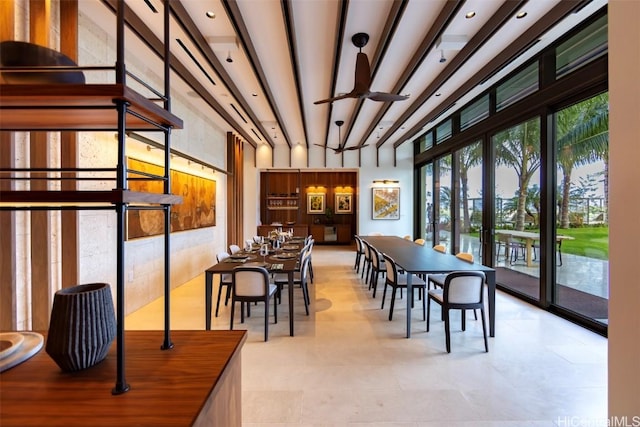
195 383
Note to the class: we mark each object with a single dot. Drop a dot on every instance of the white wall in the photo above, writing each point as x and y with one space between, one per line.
624 202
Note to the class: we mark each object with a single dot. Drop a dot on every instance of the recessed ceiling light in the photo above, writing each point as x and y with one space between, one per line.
254 94
470 15
438 94
521 15
210 14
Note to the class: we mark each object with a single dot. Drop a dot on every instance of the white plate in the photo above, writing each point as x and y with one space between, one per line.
11 341
31 345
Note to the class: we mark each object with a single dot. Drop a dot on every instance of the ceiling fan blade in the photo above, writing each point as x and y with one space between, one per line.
335 98
386 97
356 147
363 74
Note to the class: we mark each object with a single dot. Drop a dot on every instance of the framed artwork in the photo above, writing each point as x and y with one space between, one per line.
344 203
315 203
386 203
197 210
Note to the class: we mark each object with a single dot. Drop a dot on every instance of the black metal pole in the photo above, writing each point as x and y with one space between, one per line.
167 344
121 209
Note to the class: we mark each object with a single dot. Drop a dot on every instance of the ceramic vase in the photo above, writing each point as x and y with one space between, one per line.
82 326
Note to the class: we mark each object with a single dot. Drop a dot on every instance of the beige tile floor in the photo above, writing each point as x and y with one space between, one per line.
349 366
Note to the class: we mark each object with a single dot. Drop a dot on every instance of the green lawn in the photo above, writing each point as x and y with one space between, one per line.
592 242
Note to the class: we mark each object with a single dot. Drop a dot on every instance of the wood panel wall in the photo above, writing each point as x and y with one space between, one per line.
235 190
39 25
40 265
7 219
69 153
301 183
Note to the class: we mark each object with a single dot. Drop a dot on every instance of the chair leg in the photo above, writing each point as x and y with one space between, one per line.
218 302
266 319
484 332
447 329
428 311
275 311
305 297
384 295
464 319
233 309
393 301
423 305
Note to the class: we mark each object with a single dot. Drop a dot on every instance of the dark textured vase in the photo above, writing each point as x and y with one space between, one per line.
82 326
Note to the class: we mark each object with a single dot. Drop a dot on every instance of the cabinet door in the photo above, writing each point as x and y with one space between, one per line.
344 234
317 231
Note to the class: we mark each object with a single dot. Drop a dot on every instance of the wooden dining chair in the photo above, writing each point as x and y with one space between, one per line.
440 248
252 284
225 281
367 261
359 253
399 281
300 277
462 290
439 279
378 266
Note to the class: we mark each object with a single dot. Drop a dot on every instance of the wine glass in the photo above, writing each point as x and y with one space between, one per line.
264 251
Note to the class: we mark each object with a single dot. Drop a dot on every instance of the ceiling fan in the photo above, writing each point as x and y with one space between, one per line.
361 87
340 148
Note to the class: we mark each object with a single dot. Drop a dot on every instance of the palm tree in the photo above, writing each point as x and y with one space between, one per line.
469 156
519 148
582 138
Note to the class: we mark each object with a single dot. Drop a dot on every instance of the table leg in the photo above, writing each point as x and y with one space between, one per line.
291 303
409 299
491 296
208 288
529 247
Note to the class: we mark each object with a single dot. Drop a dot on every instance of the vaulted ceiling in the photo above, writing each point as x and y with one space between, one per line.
261 64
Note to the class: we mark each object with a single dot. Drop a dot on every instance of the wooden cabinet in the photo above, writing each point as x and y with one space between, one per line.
331 233
196 383
284 198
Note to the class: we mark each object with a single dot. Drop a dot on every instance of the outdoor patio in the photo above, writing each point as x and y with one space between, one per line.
585 280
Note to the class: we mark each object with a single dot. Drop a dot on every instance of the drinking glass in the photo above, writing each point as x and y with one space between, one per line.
264 251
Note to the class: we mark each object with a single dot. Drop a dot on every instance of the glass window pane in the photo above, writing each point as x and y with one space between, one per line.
425 141
517 87
517 207
584 47
470 198
474 113
443 131
582 148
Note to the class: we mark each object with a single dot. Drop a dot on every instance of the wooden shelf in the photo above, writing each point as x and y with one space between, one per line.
77 107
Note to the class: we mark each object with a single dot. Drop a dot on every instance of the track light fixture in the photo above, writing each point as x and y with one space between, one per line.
229 58
442 58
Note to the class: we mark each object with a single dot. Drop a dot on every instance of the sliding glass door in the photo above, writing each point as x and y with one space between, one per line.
517 207
582 272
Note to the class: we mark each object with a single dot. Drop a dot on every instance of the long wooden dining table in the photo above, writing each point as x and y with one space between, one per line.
418 259
289 267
